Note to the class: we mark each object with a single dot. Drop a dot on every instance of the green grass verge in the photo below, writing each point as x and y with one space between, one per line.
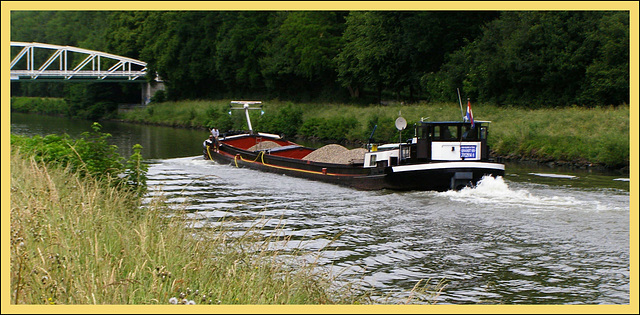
583 135
77 241
39 105
572 134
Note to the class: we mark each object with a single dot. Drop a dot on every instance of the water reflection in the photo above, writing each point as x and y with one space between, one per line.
157 141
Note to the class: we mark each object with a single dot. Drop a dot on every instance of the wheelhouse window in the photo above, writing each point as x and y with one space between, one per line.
424 132
483 133
469 133
405 152
448 132
451 132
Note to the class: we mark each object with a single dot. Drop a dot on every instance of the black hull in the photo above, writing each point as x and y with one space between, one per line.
438 176
442 179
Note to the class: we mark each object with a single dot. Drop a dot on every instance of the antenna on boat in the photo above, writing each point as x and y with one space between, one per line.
460 100
369 146
246 105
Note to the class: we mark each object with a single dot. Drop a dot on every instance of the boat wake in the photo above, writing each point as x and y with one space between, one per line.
497 193
212 186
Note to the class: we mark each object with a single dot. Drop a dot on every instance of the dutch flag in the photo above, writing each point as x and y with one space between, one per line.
469 116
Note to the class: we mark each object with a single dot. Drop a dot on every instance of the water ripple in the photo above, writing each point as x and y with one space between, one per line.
500 242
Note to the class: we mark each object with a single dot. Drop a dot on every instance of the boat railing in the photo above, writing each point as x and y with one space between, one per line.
282 148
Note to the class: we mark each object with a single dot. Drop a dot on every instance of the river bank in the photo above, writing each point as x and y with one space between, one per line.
107 248
493 245
571 137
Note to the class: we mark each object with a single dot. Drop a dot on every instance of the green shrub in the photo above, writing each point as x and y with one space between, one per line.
335 128
136 171
88 155
385 130
286 121
159 96
39 105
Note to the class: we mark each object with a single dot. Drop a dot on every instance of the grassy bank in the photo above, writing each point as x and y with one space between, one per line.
39 105
572 135
78 241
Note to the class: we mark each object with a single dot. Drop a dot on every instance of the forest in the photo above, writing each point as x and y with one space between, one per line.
529 59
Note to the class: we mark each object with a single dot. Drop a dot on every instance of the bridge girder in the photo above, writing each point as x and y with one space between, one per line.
25 67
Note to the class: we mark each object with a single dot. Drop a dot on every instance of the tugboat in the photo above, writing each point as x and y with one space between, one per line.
443 155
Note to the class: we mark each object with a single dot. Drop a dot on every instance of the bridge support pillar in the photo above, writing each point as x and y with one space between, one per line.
149 89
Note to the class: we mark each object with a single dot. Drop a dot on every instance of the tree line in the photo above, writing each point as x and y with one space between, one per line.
512 58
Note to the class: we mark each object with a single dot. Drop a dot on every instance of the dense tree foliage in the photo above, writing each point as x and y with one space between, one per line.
520 58
239 47
298 60
391 51
543 59
84 29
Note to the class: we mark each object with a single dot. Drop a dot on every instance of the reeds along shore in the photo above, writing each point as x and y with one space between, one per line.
78 241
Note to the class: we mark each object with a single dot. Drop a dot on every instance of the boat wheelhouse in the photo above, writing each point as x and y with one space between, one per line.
447 155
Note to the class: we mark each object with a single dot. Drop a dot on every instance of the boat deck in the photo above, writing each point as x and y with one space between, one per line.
284 149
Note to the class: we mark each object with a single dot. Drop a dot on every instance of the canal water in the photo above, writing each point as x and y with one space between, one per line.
535 236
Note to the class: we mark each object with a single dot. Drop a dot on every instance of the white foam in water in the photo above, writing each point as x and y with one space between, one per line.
554 175
494 192
490 192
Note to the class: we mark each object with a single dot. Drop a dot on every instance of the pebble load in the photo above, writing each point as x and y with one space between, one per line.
331 153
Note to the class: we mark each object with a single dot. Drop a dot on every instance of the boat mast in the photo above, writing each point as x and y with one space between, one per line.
460 100
246 106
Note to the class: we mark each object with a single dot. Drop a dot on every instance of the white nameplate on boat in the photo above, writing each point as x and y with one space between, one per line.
455 150
468 151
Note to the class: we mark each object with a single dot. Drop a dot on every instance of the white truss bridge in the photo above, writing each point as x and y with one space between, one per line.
38 61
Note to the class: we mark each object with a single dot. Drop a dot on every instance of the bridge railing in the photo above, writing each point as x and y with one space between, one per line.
95 65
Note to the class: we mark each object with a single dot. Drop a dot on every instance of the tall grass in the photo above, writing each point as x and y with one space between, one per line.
179 114
78 241
586 135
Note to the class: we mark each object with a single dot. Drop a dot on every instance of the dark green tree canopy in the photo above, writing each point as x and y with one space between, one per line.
543 59
519 58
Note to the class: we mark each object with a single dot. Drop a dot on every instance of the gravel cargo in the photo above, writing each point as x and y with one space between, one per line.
335 153
264 145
